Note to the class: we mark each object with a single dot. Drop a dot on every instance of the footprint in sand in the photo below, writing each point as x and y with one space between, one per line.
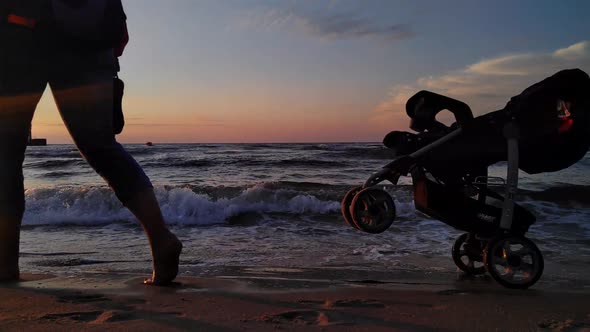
114 316
133 301
82 298
566 325
345 303
453 292
354 304
92 317
303 317
81 316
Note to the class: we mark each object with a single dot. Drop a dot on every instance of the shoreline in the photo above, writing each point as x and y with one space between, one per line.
269 299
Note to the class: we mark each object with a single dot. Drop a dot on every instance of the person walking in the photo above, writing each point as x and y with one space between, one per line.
72 46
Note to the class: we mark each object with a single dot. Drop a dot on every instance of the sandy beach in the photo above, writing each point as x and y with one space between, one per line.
269 299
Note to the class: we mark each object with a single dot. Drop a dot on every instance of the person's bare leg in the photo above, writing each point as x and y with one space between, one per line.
9 245
165 245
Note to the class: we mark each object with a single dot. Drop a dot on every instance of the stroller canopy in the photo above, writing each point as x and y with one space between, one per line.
554 119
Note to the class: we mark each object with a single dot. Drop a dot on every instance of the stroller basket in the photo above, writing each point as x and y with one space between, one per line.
456 209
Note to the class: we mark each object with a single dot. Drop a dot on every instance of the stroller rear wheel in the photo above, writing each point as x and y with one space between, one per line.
513 261
372 210
468 254
345 205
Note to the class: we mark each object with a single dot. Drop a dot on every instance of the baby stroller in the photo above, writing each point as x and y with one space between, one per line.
544 129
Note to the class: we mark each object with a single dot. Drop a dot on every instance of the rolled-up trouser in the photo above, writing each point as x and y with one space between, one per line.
82 85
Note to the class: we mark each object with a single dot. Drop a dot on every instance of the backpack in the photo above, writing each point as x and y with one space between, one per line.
89 25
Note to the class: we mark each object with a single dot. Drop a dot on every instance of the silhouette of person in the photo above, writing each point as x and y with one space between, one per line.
71 46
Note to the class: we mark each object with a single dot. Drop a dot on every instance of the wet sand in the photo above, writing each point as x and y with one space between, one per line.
270 299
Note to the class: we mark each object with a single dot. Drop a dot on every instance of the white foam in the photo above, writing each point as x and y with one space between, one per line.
183 206
98 205
86 206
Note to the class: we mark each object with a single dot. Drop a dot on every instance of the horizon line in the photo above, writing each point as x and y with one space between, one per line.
143 143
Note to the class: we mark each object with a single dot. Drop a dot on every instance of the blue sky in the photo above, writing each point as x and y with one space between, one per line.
333 70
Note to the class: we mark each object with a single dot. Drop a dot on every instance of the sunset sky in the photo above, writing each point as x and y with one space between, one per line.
326 70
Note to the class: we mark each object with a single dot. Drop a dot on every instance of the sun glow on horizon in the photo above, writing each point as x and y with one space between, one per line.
322 71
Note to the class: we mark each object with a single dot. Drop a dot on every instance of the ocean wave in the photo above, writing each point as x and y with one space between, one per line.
355 151
178 162
59 174
242 162
324 147
288 163
71 262
564 194
323 191
52 152
72 205
55 163
307 162
376 153
183 206
142 152
258 146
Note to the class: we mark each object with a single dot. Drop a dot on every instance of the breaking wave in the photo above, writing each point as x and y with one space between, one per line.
90 206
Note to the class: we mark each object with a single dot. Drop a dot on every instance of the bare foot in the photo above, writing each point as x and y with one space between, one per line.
166 256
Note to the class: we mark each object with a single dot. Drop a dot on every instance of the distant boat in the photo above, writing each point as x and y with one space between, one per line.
35 141
149 144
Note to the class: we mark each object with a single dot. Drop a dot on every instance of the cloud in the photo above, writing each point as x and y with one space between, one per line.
343 26
330 25
579 51
486 85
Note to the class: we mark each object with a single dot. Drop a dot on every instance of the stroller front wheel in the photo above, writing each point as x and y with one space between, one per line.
513 261
468 254
345 205
372 210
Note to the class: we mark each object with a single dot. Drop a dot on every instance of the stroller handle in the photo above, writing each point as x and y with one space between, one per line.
423 107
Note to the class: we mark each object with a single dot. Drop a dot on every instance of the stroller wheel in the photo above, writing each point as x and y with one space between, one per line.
345 205
372 210
513 261
467 254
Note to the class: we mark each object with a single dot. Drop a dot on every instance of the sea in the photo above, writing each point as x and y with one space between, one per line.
270 206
